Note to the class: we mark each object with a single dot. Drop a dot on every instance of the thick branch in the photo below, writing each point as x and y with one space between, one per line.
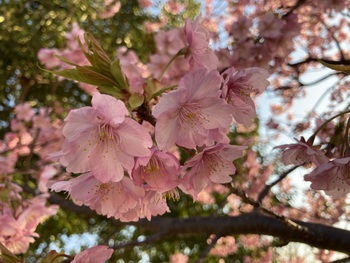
317 235
321 236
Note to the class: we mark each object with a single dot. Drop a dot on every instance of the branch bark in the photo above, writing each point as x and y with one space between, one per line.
321 236
316 235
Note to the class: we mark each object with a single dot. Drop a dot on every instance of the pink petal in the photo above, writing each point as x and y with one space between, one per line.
105 164
166 131
109 109
134 138
78 121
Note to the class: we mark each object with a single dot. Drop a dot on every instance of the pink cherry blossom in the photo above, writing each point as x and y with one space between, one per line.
212 165
186 115
301 153
332 177
131 67
170 42
45 175
237 89
178 258
20 225
111 9
198 50
160 171
112 199
47 57
101 139
72 36
241 29
24 111
224 246
97 254
270 26
153 204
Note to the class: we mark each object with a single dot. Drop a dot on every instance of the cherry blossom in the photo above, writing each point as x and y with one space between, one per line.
239 85
186 115
332 177
21 223
112 199
212 165
301 153
198 50
103 140
24 111
47 57
160 171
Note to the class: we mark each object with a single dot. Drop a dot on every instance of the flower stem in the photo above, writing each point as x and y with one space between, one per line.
179 53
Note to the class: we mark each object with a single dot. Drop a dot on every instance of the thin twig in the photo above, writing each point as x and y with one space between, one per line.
333 37
151 239
206 251
286 221
268 187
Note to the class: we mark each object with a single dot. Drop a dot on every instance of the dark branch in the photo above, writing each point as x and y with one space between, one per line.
206 251
321 236
268 187
317 235
295 7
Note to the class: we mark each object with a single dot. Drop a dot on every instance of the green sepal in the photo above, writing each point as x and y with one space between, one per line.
136 100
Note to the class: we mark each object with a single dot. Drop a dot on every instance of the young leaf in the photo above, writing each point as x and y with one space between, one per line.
136 100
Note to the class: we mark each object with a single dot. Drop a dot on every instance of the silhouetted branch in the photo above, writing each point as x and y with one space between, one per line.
313 234
295 7
206 251
268 187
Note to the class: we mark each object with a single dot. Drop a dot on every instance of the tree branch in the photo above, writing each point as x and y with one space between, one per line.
317 235
321 236
268 187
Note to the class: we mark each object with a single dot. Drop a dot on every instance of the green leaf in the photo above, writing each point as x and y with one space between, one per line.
118 75
335 66
86 75
98 57
136 100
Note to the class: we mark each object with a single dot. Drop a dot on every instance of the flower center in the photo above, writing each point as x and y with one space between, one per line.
194 117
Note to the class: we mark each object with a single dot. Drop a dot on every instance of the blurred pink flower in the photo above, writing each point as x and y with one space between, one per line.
170 42
97 254
47 57
101 139
198 50
301 153
24 111
178 258
212 165
186 115
270 26
239 85
332 177
110 9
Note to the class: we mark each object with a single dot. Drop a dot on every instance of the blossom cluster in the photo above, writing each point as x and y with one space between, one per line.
125 169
